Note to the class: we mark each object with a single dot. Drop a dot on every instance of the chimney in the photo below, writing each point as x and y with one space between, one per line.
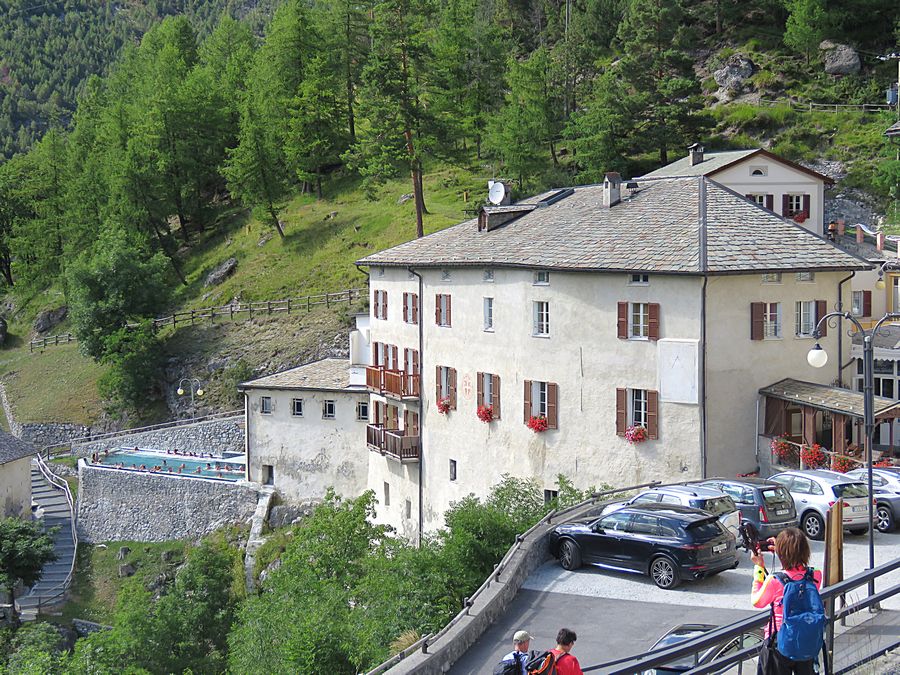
879 241
842 226
695 152
860 236
612 189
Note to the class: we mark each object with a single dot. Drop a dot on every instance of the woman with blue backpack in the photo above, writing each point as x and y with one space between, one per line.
796 631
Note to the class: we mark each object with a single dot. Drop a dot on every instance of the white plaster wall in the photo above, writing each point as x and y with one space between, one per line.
781 180
738 367
15 488
582 355
309 454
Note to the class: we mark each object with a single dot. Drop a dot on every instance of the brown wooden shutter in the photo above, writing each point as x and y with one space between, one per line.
653 327
395 357
757 323
437 383
621 411
495 395
415 307
437 309
785 205
406 359
375 354
449 315
376 304
527 400
653 414
622 321
552 405
406 312
770 202
806 204
384 299
867 303
452 380
479 397
415 361
822 310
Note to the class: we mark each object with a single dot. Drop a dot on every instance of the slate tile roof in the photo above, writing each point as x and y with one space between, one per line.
329 374
824 397
12 448
662 227
712 161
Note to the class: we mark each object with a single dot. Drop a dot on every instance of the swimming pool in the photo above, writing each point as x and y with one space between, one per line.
227 468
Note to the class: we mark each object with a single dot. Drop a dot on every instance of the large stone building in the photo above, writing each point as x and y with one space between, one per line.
664 304
15 476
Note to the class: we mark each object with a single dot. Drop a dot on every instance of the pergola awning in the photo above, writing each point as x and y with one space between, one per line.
833 399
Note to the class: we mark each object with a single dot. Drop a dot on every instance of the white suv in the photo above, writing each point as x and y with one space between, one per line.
816 491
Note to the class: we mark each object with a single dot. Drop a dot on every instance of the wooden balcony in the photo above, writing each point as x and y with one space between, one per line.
400 384
374 378
392 443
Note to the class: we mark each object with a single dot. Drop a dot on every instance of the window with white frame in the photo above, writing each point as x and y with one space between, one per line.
488 274
488 314
265 405
806 318
541 318
806 276
639 279
328 409
539 398
639 323
442 309
362 411
758 198
772 320
794 204
297 407
487 389
550 496
541 277
856 307
639 407
772 278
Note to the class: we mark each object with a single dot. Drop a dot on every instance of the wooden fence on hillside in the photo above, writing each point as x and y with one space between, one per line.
809 106
231 311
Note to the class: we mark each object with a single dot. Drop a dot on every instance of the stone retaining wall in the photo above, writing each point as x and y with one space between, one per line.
117 505
41 434
216 436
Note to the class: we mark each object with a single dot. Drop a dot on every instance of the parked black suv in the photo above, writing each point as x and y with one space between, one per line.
669 542
765 503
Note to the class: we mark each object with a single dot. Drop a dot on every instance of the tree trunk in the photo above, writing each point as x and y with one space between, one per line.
421 194
171 256
7 272
351 121
663 154
319 183
273 214
553 154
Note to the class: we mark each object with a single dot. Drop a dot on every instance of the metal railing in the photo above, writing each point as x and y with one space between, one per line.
809 106
796 459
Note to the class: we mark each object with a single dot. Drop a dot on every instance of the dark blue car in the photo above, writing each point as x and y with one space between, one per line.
670 543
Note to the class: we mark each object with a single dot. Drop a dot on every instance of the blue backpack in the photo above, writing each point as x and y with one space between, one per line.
802 632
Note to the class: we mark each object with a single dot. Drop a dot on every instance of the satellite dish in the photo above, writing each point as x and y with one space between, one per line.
496 192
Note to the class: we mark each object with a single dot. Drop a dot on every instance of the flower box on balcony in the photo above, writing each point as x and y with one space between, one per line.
485 413
538 423
813 457
781 448
842 464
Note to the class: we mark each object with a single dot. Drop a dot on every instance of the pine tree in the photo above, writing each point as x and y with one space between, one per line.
805 25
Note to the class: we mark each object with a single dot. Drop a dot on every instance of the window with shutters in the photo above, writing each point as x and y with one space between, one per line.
265 405
541 278
488 309
771 278
542 400
442 309
639 325
540 318
638 408
806 276
328 409
639 280
297 407
772 320
380 310
488 392
411 308
446 384
805 318
794 205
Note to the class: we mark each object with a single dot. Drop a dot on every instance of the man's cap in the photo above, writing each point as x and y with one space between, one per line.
521 636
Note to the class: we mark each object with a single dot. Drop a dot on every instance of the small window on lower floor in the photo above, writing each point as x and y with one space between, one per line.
297 407
265 405
362 411
328 410
387 494
268 474
550 496
407 509
452 469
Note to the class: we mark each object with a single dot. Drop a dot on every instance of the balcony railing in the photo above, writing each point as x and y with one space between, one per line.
375 436
399 446
374 380
401 384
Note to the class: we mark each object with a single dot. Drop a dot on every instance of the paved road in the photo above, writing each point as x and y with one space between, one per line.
617 614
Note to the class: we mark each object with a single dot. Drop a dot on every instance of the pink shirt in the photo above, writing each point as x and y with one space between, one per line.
768 589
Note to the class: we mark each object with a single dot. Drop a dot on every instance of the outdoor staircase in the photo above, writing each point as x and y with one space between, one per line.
51 589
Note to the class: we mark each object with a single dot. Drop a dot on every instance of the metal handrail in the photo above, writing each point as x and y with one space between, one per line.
399 656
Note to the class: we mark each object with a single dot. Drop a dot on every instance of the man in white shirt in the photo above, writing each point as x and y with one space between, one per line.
519 654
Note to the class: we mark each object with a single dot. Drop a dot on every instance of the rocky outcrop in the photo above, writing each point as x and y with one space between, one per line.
839 59
221 273
49 319
732 77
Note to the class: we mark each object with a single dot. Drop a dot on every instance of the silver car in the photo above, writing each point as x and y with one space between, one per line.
816 491
886 483
707 499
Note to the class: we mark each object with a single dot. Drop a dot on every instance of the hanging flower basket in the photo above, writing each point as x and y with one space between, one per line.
538 423
842 464
636 434
443 405
813 457
781 448
486 413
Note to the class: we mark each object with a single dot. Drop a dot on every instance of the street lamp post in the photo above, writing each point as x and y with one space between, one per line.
195 387
817 358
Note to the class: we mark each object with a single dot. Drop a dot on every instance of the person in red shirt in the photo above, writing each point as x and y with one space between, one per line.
792 549
566 663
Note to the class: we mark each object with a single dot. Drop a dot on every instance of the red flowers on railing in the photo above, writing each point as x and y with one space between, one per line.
443 405
813 456
842 464
883 464
781 448
636 434
537 423
485 413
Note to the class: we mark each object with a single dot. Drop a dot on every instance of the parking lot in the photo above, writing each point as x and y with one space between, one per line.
617 614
